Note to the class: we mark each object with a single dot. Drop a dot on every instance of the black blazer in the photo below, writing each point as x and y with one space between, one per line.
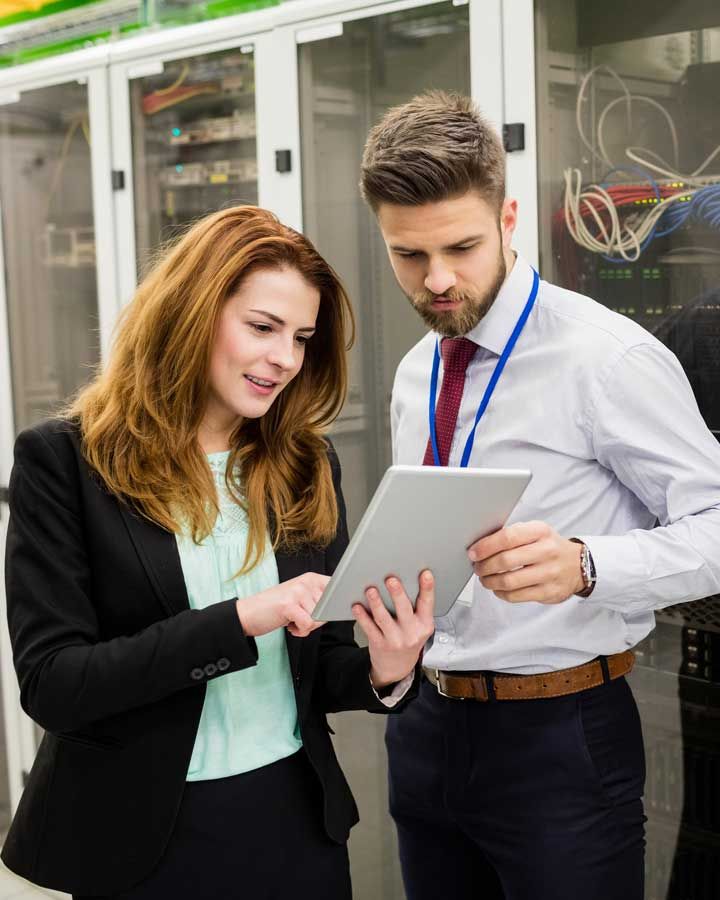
113 663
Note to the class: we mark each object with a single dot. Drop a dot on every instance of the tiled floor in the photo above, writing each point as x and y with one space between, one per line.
14 888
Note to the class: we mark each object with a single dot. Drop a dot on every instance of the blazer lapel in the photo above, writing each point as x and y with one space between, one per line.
158 552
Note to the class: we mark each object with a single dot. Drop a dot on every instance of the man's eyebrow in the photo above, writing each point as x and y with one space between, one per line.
470 239
278 320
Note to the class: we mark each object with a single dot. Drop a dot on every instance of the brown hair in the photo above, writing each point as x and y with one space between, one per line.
140 416
433 147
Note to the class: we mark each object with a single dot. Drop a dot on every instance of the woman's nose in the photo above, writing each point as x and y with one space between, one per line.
283 355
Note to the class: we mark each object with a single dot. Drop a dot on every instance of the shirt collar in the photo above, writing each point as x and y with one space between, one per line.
494 329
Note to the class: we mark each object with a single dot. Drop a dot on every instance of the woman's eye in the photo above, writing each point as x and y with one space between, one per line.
261 328
302 339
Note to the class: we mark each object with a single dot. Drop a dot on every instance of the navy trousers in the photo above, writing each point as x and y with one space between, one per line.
519 800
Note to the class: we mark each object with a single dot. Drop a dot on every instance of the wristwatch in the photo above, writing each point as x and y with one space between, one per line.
587 567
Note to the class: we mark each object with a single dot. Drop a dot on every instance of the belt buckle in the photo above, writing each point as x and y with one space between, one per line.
440 690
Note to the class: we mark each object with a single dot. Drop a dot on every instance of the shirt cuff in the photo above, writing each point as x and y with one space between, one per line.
620 571
398 692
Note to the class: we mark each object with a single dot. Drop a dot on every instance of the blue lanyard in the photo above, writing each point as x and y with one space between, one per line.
497 372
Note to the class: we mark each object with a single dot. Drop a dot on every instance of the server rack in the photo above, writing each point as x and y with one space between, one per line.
627 128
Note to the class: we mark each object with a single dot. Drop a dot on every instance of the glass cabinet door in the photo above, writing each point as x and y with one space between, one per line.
193 143
346 83
629 191
49 303
49 247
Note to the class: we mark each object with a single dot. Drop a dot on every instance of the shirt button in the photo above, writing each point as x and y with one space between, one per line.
223 664
443 638
210 670
197 674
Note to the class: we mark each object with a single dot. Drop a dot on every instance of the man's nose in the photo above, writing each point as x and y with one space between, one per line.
440 278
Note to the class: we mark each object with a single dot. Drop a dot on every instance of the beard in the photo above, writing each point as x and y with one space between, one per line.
455 323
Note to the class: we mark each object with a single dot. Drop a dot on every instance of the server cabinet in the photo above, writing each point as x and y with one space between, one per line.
629 212
57 290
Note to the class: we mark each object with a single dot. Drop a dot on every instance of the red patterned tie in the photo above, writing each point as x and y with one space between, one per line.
456 354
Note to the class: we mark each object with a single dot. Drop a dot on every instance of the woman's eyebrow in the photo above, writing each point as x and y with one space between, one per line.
278 320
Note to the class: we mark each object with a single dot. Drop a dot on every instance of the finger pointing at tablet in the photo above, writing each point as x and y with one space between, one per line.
395 644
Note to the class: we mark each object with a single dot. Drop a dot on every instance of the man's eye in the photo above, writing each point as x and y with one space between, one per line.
410 255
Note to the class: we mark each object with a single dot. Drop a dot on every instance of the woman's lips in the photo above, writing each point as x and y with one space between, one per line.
261 389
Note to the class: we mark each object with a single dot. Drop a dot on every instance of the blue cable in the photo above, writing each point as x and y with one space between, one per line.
705 205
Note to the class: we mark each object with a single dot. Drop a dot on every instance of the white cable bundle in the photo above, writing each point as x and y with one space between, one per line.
624 240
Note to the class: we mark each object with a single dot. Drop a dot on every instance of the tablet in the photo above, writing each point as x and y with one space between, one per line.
421 517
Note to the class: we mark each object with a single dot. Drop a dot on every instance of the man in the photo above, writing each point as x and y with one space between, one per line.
531 789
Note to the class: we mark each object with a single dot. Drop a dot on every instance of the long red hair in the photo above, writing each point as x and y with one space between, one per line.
140 415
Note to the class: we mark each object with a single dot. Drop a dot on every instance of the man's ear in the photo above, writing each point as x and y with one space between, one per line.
508 221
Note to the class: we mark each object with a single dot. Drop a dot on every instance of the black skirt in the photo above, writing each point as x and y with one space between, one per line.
258 835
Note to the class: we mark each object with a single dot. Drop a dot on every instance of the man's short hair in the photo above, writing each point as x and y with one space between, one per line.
434 147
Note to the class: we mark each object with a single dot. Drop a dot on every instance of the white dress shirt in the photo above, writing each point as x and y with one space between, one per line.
604 417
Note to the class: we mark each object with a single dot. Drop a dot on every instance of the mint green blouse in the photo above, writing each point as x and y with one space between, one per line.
249 718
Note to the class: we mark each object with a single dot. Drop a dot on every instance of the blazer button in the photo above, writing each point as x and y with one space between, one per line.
223 664
210 670
197 674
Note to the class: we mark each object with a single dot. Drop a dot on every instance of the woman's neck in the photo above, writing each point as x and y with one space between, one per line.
214 441
215 432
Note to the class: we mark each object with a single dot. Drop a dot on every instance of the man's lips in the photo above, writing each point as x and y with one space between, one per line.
445 304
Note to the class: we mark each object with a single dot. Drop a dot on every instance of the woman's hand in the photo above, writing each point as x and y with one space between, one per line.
287 605
396 643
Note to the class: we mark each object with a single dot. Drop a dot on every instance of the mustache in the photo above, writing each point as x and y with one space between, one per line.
423 299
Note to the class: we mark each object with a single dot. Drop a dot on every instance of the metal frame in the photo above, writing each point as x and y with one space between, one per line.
486 75
518 74
16 723
276 88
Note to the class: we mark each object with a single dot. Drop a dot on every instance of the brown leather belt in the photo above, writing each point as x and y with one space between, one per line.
491 685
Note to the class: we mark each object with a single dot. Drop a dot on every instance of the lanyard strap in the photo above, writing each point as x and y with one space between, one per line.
495 377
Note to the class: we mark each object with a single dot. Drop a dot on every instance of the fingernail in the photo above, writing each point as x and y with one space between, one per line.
393 582
473 556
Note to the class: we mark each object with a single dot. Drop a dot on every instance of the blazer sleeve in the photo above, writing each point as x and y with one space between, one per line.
68 676
343 673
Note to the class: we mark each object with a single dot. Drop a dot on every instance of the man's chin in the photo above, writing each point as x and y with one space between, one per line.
450 324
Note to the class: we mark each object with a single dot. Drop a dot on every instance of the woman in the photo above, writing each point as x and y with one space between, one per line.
162 533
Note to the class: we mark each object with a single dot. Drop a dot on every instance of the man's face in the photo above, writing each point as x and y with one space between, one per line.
450 258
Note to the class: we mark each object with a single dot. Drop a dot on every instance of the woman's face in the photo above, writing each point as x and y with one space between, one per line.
260 345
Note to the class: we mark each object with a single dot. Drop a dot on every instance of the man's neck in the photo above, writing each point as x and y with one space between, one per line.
510 256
